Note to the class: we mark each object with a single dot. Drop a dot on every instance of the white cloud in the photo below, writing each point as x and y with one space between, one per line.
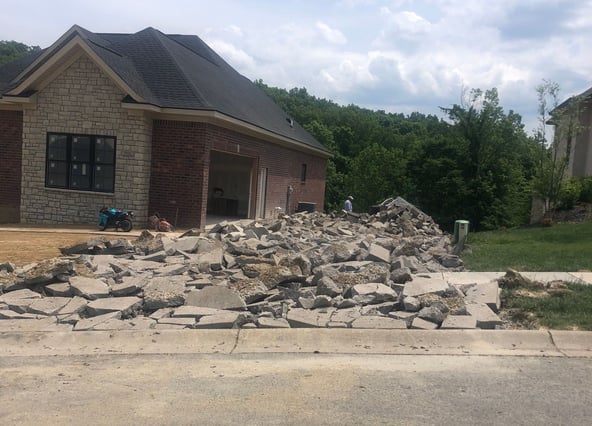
330 34
400 55
234 55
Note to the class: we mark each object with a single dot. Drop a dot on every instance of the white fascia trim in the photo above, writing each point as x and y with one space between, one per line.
223 120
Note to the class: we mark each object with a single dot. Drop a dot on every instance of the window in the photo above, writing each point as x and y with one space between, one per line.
80 162
303 173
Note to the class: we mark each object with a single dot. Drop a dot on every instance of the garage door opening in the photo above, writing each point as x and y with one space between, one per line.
229 185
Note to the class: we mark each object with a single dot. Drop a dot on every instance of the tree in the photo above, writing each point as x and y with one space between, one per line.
555 148
377 173
492 166
13 50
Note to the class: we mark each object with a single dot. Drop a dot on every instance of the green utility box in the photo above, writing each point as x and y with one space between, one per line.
461 230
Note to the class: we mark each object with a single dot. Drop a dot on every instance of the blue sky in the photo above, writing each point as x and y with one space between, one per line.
397 56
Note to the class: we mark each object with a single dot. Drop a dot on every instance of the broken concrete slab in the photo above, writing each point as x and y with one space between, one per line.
421 324
130 324
89 288
195 311
488 293
184 321
60 289
225 320
377 292
125 305
90 323
484 316
452 322
164 291
218 297
266 322
377 322
421 285
378 253
75 305
48 305
298 318
23 293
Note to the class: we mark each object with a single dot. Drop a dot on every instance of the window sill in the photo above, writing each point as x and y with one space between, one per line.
76 191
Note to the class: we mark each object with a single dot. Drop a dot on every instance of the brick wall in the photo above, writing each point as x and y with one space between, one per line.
179 172
180 167
83 100
11 134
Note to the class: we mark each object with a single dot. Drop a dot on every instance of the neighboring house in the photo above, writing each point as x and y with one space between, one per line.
149 122
577 146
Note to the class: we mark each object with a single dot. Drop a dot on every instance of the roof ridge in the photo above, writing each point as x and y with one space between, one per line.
198 93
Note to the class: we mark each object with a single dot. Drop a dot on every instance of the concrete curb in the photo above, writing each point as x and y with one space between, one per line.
325 341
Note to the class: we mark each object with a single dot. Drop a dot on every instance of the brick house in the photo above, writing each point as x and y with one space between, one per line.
149 122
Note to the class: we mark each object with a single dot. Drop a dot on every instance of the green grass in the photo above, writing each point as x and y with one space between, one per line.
561 247
564 310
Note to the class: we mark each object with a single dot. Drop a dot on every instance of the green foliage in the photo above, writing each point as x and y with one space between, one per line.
376 173
570 193
13 50
495 166
478 165
563 247
586 192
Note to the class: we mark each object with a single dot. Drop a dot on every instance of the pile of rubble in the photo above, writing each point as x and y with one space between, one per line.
304 270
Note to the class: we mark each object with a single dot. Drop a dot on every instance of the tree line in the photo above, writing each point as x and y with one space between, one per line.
477 163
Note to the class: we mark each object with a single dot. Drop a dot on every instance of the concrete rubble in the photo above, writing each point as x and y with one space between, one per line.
305 270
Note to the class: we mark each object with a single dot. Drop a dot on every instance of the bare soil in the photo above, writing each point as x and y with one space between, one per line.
24 247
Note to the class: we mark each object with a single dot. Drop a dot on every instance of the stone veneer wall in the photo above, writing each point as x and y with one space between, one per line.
84 100
11 138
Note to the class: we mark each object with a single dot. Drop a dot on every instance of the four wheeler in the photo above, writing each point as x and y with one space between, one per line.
114 218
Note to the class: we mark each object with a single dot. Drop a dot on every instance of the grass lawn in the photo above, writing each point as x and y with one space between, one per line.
561 247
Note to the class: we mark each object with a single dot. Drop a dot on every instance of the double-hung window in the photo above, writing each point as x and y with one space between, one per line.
80 162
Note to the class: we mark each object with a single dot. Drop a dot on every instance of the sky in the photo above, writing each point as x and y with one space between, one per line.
399 56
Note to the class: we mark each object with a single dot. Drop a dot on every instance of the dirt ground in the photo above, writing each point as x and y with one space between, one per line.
24 247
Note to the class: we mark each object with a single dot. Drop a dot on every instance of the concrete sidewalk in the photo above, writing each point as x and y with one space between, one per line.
301 341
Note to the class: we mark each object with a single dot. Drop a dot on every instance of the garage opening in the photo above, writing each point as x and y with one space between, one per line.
229 185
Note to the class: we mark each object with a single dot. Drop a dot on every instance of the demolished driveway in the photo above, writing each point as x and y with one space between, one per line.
308 270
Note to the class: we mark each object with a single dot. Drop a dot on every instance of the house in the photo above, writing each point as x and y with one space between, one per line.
150 122
575 140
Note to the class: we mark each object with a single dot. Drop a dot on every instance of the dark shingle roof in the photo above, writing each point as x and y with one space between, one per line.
181 72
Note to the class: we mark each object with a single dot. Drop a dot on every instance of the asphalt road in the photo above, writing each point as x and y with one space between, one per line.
296 376
280 388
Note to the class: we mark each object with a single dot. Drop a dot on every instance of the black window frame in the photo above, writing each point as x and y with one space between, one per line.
68 165
303 170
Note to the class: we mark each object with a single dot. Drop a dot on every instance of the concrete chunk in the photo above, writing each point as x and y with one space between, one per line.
218 297
265 322
484 316
89 288
378 292
488 293
303 318
163 292
48 305
421 285
225 320
379 254
459 322
377 322
113 304
90 323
